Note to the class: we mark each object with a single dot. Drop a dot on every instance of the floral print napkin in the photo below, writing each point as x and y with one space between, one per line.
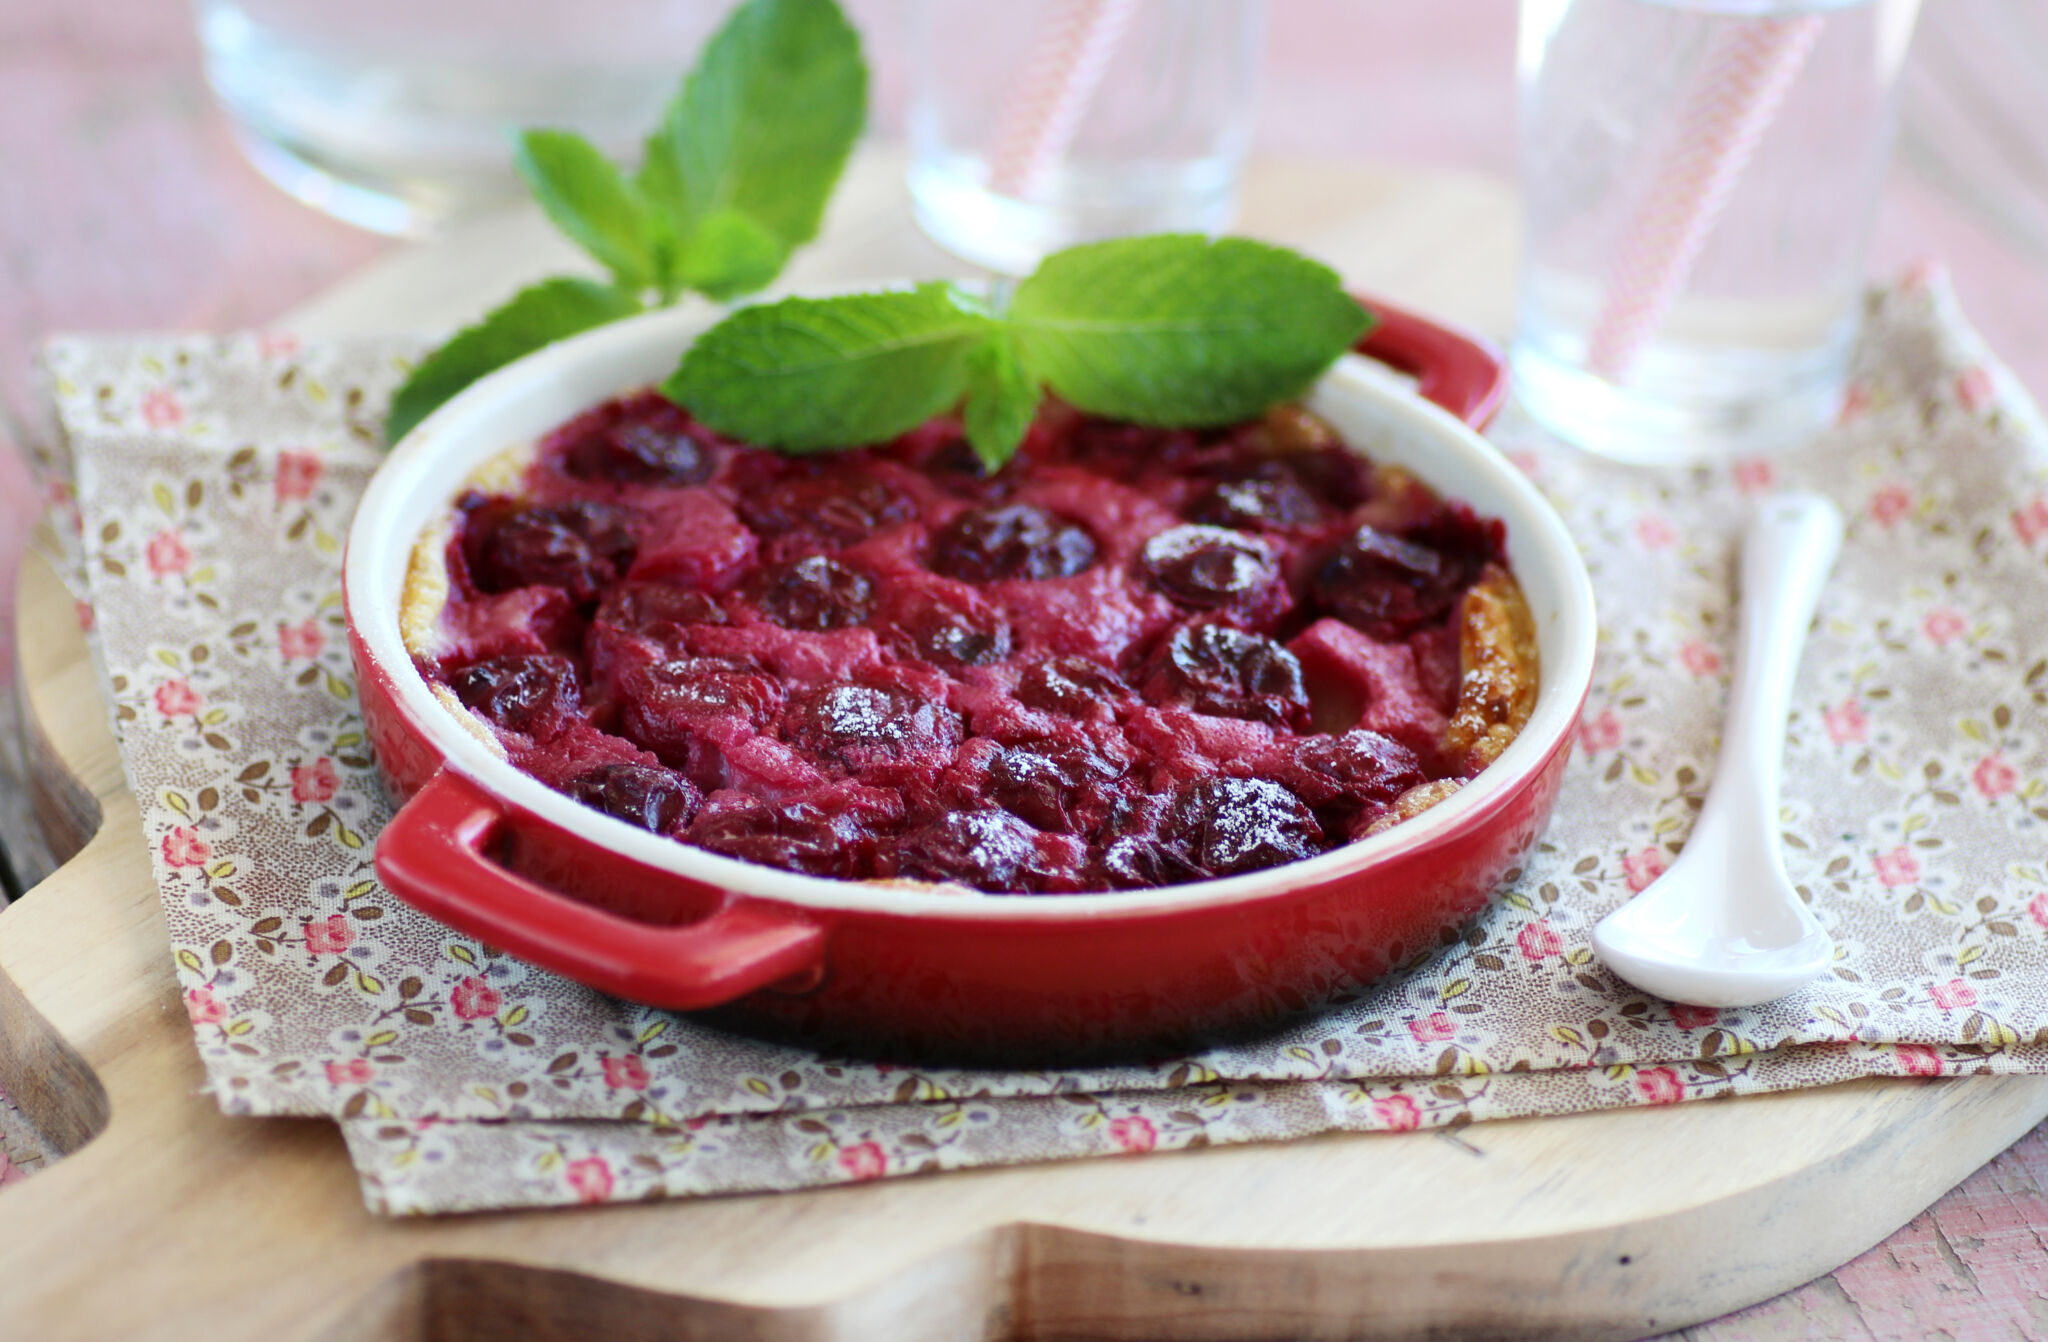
208 482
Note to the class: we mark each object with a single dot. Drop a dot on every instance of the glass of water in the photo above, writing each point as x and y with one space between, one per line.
398 114
1037 124
1699 178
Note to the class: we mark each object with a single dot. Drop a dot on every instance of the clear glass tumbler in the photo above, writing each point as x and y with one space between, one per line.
397 114
1699 179
1037 124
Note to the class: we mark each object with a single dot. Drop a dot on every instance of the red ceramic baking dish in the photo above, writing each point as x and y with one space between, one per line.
497 855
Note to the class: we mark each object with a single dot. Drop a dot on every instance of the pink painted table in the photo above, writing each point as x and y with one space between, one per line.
126 206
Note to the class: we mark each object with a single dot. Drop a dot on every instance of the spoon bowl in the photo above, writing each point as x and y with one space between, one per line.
1724 927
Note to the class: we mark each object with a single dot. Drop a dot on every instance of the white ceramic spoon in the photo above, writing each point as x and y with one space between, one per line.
1724 927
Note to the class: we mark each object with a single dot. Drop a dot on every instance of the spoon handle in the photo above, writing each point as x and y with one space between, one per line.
1786 555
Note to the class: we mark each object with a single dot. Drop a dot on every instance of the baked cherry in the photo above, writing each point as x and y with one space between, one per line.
948 630
1215 668
647 441
1386 586
989 850
808 835
639 794
842 506
581 548
1268 497
1055 785
1011 540
858 725
1204 566
1231 825
658 609
813 594
534 695
1074 687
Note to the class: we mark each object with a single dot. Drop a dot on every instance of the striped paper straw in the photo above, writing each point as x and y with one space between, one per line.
1045 109
1745 79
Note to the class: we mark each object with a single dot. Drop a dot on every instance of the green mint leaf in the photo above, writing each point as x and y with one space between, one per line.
807 374
587 198
762 126
1179 329
1002 400
731 255
535 316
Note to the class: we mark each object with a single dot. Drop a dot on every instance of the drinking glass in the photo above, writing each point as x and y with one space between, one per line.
397 114
1700 178
1037 124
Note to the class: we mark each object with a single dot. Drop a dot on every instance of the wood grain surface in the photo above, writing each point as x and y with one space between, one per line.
169 1220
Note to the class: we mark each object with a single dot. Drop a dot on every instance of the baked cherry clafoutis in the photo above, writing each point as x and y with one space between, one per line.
1132 657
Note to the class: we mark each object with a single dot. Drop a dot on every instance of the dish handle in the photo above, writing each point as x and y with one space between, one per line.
1463 373
434 854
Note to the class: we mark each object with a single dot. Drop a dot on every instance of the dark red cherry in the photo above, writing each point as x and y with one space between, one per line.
536 696
1073 687
841 506
808 835
581 547
1054 785
1360 764
1011 540
939 628
639 794
1385 586
646 441
856 725
657 609
1204 566
1231 825
1269 497
813 594
1214 668
989 850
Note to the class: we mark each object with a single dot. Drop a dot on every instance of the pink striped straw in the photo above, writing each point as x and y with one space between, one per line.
1045 109
1733 99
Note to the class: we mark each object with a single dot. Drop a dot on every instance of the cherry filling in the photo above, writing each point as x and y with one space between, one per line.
1133 657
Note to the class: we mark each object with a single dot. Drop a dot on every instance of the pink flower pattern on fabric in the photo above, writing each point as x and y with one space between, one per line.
1642 867
315 782
473 999
1702 659
176 698
1602 732
353 1072
865 1161
167 554
1994 777
1396 1113
1897 867
1133 1134
297 474
1660 1085
1891 504
183 847
1943 625
1688 1017
1537 941
1846 722
590 1178
1433 1028
625 1072
202 1007
1955 993
330 936
1917 1059
296 642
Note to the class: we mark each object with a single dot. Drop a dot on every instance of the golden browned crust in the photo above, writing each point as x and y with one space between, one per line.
1414 802
1498 668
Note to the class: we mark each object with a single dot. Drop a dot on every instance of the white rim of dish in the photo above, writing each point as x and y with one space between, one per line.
522 401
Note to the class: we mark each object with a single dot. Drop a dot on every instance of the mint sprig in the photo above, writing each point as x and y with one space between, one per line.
734 179
1174 330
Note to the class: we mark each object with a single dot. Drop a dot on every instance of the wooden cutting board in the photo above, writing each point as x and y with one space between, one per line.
168 1220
